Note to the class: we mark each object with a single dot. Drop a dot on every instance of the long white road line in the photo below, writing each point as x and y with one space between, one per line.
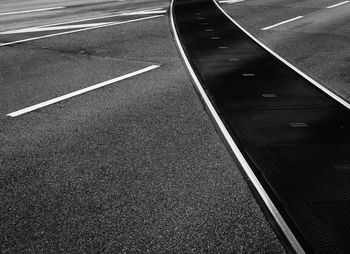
30 11
139 12
281 23
81 20
76 31
54 28
335 5
81 91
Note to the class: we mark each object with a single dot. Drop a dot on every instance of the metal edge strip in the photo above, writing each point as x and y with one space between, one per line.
233 146
308 78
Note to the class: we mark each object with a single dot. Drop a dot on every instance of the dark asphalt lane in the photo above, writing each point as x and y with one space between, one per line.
297 144
317 44
134 167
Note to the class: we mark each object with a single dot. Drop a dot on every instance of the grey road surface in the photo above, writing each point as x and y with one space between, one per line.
133 167
318 43
13 13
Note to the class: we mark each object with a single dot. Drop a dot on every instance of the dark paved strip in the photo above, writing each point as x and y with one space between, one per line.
295 137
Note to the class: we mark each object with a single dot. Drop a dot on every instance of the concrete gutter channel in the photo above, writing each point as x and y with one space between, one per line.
291 135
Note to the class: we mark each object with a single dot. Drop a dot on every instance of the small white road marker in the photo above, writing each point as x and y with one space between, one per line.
281 23
335 5
298 125
269 95
81 91
30 11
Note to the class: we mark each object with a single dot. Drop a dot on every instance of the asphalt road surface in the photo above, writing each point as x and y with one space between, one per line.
294 136
105 145
317 42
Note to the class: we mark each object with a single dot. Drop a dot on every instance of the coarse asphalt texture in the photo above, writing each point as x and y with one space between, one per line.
134 167
318 43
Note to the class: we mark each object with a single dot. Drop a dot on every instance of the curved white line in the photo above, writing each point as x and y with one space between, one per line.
311 80
233 146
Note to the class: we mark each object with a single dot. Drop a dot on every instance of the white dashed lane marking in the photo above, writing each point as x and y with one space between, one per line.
335 5
281 23
145 12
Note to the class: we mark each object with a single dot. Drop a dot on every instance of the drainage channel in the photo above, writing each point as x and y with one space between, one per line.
291 137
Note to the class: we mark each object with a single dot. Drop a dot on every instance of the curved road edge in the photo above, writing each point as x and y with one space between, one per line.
308 78
227 137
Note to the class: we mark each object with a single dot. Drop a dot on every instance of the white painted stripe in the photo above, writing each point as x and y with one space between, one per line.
30 11
102 17
54 28
76 31
281 23
81 20
81 91
233 146
89 19
335 5
231 1
146 12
